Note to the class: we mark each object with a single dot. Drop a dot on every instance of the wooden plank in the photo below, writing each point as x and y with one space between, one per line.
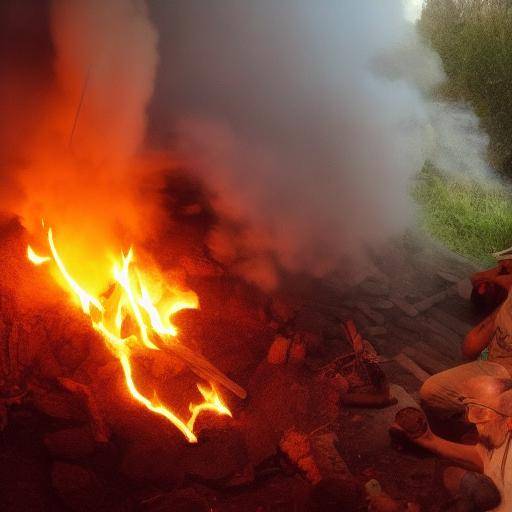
373 315
425 361
447 276
460 327
402 304
438 328
435 353
406 362
464 289
203 368
450 352
425 304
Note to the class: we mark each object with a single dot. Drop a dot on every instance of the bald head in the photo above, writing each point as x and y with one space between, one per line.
490 391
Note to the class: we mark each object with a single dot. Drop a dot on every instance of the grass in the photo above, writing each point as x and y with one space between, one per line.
472 218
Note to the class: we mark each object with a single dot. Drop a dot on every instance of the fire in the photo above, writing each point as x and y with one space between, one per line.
150 304
35 258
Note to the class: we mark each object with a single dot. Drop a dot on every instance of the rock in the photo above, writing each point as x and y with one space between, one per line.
180 500
327 458
146 462
372 487
218 456
59 405
72 352
72 443
77 486
316 456
278 351
47 364
297 446
82 491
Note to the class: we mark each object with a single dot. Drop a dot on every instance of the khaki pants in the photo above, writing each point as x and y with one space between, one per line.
442 392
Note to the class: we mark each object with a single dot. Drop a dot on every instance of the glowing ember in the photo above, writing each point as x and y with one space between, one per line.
132 297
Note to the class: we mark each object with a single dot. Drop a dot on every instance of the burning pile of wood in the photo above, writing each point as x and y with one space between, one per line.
295 364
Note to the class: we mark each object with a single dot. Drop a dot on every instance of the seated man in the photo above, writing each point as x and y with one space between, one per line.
440 393
486 483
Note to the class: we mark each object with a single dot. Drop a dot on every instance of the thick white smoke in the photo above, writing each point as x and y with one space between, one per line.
306 120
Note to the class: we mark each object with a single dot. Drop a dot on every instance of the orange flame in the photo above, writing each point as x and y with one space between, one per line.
132 297
35 258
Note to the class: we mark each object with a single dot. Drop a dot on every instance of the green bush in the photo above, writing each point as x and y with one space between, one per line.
474 40
472 218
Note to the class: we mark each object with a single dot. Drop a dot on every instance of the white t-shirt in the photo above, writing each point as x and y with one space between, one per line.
492 468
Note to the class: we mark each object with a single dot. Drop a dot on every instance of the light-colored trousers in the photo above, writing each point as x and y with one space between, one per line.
442 392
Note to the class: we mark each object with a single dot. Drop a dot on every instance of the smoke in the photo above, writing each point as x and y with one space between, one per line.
106 51
306 121
79 163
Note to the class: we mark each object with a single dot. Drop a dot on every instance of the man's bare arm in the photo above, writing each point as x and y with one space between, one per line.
464 455
479 337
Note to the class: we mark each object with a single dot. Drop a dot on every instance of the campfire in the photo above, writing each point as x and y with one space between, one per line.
130 318
201 309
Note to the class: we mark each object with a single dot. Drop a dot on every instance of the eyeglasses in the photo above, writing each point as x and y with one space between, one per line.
478 413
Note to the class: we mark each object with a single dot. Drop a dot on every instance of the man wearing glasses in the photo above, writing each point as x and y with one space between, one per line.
482 479
493 336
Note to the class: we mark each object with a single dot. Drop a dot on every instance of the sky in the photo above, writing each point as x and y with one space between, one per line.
412 9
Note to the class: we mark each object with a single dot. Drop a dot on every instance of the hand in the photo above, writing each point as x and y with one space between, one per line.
423 439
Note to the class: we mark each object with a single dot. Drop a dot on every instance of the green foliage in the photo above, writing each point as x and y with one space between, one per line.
472 218
474 40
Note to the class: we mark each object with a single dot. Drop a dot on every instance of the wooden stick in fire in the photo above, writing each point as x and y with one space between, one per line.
201 366
196 362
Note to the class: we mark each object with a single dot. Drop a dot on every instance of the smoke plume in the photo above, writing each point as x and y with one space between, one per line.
77 164
307 121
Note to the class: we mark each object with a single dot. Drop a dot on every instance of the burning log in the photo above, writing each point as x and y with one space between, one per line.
203 368
129 317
